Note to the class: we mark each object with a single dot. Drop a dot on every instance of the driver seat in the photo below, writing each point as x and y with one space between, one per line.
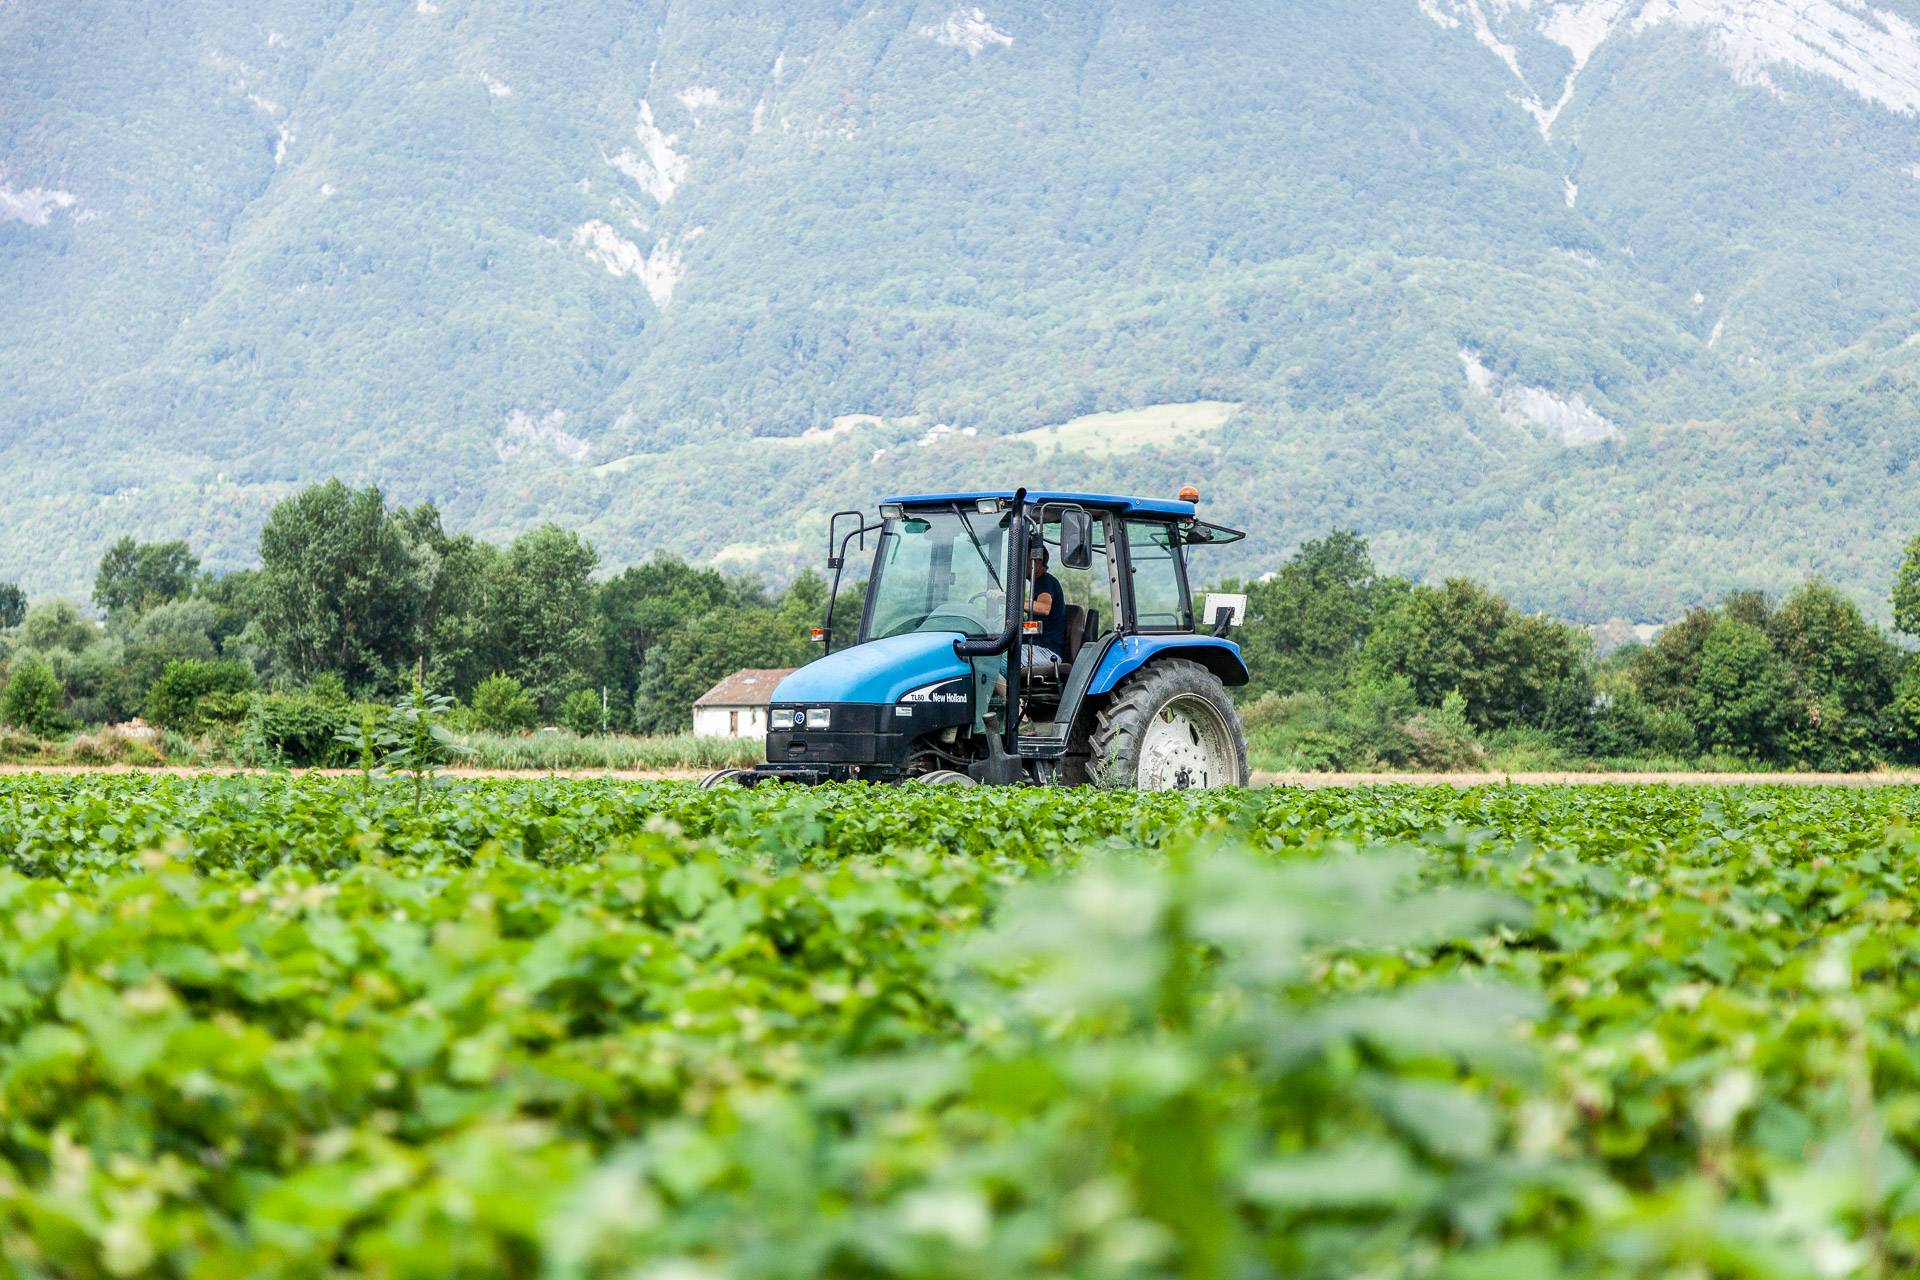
1078 629
1081 626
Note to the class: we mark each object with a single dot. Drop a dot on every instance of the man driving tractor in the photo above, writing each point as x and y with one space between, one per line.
1044 650
1050 607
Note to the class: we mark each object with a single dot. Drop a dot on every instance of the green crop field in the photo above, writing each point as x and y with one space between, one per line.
265 1027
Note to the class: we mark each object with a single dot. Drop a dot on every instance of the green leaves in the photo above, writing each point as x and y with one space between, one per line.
277 1026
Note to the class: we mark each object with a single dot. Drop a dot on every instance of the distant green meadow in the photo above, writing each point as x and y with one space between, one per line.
263 1026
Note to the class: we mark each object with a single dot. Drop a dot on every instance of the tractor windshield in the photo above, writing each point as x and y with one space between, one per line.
939 570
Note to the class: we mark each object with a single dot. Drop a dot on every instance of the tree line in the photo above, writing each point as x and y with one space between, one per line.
1351 667
354 600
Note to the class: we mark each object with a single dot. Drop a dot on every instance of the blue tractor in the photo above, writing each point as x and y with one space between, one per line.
941 683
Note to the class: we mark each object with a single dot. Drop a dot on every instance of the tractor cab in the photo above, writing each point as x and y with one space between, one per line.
932 668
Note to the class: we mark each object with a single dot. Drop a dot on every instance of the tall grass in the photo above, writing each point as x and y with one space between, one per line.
102 748
572 751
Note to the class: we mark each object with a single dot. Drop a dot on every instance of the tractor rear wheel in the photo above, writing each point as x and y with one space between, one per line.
1169 727
945 778
724 777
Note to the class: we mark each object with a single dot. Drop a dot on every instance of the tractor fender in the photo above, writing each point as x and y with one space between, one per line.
1130 653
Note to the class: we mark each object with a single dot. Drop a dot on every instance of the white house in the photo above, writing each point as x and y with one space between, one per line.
737 706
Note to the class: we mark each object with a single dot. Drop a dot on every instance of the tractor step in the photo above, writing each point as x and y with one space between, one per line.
1043 747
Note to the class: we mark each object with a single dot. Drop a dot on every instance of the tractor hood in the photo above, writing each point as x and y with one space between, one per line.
879 671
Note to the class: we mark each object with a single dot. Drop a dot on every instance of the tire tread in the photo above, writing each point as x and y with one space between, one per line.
1118 727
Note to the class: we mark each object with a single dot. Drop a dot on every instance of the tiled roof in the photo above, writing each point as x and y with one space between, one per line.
749 688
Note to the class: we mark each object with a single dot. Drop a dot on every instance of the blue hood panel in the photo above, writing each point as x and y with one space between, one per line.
879 671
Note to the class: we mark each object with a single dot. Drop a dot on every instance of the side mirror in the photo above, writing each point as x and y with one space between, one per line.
836 546
1076 539
1223 612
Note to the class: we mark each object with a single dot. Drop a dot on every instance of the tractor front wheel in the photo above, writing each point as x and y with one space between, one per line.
1169 727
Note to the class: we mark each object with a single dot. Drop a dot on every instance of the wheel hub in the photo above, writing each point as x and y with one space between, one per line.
1186 745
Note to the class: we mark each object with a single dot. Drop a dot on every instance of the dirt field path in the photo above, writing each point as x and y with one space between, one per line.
1886 778
230 771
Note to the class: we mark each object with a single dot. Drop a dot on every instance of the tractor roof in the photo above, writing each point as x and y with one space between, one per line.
1171 507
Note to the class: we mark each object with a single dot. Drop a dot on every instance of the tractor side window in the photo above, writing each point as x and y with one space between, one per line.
1159 591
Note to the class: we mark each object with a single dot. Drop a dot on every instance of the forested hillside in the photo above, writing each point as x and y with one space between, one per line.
1608 303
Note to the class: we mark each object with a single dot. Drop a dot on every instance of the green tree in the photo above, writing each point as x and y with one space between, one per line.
459 580
34 699
502 705
135 576
1512 668
804 603
1902 717
99 687
716 645
339 587
1844 673
1665 672
168 632
1307 623
1743 694
580 712
235 600
13 605
645 603
1906 592
57 625
175 701
542 613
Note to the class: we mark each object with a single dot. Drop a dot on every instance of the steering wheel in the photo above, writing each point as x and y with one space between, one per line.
965 622
969 622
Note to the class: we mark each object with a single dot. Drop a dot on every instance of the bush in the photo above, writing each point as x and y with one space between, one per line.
1525 750
1269 711
112 748
1626 726
1318 751
34 699
1375 716
20 748
175 700
1902 717
581 713
1828 735
224 709
301 729
1443 739
1297 732
1372 726
502 704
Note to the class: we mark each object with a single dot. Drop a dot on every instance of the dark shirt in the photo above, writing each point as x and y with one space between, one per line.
1053 627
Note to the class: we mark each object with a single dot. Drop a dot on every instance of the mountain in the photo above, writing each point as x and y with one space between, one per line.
1610 303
